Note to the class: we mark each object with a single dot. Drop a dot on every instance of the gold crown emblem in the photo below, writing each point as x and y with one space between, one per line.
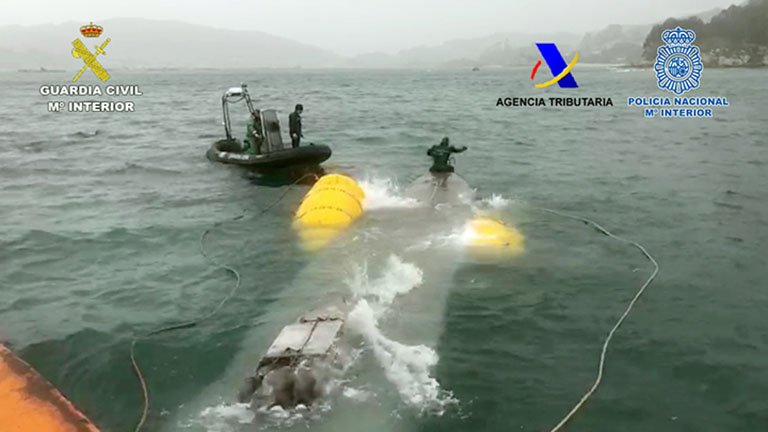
91 30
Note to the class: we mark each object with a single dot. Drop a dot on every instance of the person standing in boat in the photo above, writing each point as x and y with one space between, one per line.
294 125
441 154
254 136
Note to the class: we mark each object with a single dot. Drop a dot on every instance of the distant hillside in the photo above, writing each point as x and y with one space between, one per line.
707 15
614 44
143 43
522 51
737 36
494 49
623 43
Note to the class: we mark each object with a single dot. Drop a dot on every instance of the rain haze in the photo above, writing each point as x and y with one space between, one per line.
383 215
350 28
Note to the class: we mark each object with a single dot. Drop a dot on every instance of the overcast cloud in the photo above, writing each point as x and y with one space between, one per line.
359 26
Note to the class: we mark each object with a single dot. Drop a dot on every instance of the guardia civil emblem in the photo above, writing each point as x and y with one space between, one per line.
678 63
79 50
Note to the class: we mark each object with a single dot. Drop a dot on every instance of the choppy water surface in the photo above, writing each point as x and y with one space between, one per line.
102 213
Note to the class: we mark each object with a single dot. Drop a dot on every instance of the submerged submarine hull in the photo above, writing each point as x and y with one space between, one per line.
229 152
440 188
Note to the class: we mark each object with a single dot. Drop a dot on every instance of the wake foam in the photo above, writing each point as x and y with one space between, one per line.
407 367
221 418
397 278
232 417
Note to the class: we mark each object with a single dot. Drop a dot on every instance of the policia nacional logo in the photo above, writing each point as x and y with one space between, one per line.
82 52
678 70
678 63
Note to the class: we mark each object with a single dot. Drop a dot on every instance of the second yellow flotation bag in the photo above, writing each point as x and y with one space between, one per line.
491 238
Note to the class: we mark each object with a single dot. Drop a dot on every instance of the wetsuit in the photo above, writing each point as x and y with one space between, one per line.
252 143
294 128
440 155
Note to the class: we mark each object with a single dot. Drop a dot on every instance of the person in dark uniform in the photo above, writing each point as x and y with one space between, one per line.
441 154
294 125
253 134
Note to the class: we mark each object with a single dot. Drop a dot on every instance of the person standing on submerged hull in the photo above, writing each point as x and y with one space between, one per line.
253 134
440 156
294 125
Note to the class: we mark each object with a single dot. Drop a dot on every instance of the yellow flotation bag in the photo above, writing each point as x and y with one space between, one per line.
491 238
333 203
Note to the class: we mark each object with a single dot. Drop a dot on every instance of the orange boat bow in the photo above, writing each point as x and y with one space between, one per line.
29 403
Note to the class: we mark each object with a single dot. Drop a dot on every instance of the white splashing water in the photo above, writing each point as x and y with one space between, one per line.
357 395
407 367
227 417
384 193
221 418
397 278
497 202
457 238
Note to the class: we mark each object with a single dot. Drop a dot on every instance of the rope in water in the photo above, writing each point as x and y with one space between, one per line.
601 365
214 311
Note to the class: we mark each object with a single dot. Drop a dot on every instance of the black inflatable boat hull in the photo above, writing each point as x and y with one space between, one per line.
310 155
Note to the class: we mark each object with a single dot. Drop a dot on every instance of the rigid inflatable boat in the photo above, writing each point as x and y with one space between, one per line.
275 154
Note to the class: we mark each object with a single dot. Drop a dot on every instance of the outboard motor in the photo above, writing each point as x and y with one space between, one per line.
286 386
291 373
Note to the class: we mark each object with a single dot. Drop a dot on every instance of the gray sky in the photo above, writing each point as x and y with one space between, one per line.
359 26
